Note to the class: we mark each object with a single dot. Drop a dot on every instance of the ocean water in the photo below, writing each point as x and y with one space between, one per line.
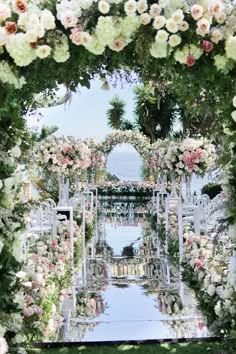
127 167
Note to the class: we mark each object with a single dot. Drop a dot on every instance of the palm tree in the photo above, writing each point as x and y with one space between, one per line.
115 114
154 113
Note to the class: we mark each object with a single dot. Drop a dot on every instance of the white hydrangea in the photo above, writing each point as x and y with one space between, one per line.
95 46
3 345
20 50
159 50
9 77
182 54
222 63
86 4
105 30
230 47
128 26
61 50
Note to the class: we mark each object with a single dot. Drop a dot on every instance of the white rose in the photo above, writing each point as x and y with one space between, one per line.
163 3
40 30
211 290
86 4
68 19
183 26
130 7
3 345
16 151
178 16
31 36
103 7
43 51
47 20
161 36
230 47
33 21
216 36
220 18
196 11
85 38
142 6
21 274
233 115
159 22
234 101
171 26
175 40
203 27
145 19
155 10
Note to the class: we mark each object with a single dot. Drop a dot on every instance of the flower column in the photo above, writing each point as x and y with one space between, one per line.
13 132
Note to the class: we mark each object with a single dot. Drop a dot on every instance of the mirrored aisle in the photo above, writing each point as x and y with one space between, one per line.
127 287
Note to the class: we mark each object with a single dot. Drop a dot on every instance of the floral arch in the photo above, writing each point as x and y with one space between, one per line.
137 140
47 43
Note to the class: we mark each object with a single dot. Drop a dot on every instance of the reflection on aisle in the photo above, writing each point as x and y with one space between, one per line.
128 289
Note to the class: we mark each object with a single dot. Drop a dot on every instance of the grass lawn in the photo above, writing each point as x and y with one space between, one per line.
186 348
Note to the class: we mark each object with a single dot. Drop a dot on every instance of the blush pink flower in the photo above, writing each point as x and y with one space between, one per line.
190 60
76 36
5 12
10 27
19 6
199 263
207 46
68 19
29 300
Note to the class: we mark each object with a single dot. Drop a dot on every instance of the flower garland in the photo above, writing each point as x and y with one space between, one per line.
64 156
30 31
137 140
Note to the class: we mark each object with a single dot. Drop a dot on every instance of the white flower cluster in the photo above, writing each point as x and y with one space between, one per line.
137 140
216 278
64 156
233 114
7 76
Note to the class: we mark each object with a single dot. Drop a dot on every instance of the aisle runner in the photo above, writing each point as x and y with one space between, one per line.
131 291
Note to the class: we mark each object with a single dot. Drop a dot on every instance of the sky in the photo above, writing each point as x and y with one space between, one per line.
86 115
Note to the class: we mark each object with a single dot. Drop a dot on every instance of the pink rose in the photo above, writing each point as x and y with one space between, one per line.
118 44
68 19
190 60
189 242
5 12
201 325
203 26
207 46
37 310
76 36
69 149
11 28
29 300
199 263
28 311
19 6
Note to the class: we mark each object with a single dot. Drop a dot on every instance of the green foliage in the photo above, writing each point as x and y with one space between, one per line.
211 189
